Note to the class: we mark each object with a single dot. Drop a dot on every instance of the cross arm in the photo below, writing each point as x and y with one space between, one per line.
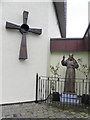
12 26
25 17
35 30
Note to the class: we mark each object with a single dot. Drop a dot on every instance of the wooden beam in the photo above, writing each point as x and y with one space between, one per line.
68 44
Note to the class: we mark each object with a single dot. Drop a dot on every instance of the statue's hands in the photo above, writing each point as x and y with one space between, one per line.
72 65
63 57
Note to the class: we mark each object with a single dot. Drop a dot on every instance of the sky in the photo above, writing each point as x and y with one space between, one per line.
77 18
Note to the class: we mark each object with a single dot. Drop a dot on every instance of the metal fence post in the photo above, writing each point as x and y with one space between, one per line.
36 88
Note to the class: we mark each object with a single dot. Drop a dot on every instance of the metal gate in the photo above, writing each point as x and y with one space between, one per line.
51 90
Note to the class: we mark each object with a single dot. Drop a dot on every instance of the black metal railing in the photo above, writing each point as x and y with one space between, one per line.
51 90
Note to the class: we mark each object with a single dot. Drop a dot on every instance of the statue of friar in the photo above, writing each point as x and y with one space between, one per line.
71 64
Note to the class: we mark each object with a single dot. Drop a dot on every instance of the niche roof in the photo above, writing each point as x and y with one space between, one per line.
71 44
60 9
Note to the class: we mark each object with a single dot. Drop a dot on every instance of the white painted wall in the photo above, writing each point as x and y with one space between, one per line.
18 82
0 54
53 30
53 23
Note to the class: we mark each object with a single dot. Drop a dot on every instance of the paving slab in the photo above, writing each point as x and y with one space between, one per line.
41 110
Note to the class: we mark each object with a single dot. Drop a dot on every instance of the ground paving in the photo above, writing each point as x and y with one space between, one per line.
40 110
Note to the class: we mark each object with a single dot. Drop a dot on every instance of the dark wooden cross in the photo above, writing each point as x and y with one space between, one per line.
24 29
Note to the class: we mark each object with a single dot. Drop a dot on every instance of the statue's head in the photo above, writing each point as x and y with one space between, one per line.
71 56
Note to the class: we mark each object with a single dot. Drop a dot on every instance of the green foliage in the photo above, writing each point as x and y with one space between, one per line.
55 70
55 73
83 68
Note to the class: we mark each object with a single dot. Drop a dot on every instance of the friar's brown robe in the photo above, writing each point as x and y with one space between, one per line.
69 86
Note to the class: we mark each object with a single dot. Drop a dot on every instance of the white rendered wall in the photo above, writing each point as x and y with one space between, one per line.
18 82
54 31
0 55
